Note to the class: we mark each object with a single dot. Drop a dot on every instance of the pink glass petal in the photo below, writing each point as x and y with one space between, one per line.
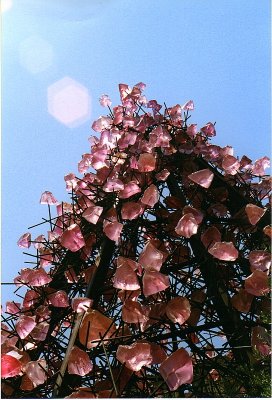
25 325
257 283
129 190
105 101
133 312
242 301
203 177
260 259
151 258
224 251
189 105
154 282
10 366
12 307
230 165
38 277
208 129
135 356
72 238
131 210
178 310
210 236
92 214
254 213
177 369
95 325
79 362
125 278
81 304
146 162
187 226
40 331
24 241
59 299
113 230
35 372
150 196
48 198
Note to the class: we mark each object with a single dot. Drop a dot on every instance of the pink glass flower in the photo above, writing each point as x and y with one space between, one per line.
260 165
210 236
198 215
187 226
131 210
129 190
162 175
154 282
178 310
134 356
102 123
35 371
125 278
79 362
92 214
192 130
80 304
254 213
230 165
113 185
12 307
10 366
105 101
224 251
133 312
150 196
48 198
93 326
146 162
242 301
260 259
189 105
257 283
72 238
40 331
177 369
38 277
59 299
113 230
24 241
203 177
24 325
151 258
208 129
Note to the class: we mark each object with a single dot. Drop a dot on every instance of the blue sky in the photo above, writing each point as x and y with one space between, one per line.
216 52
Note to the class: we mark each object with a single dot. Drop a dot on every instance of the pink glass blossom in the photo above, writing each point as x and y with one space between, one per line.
230 165
150 196
12 307
198 215
72 238
71 276
80 304
38 277
125 278
177 369
133 312
154 282
257 283
260 260
224 251
31 297
94 325
105 101
24 325
187 226
146 162
113 230
131 210
260 165
208 129
189 105
59 299
254 213
102 123
260 339
35 371
25 240
113 185
135 356
178 310
210 236
79 362
151 258
10 366
48 198
203 177
162 175
40 331
242 301
192 130
129 190
92 214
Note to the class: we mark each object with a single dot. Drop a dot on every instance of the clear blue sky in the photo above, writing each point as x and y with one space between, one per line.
216 52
